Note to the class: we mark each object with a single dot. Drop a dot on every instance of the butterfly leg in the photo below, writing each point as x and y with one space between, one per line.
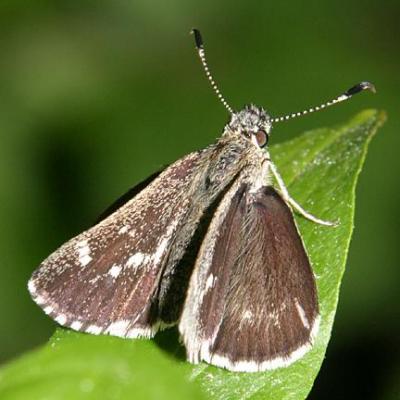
293 203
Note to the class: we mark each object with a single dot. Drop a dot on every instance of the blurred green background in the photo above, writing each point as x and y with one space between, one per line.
96 95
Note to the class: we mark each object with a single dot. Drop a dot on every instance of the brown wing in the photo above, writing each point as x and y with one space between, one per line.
252 302
105 279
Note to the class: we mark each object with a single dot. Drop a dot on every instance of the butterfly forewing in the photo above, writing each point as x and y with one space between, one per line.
252 302
105 279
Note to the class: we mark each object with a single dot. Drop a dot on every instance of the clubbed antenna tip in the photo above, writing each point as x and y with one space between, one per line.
197 38
345 96
359 88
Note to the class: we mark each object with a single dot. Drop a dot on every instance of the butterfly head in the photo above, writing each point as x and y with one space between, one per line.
252 122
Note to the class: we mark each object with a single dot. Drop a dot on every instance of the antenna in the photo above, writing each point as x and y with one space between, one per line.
345 96
200 49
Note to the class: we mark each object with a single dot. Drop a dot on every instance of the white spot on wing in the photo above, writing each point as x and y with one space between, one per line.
123 230
76 325
118 328
85 260
302 314
48 309
32 287
137 260
160 250
83 252
210 282
115 270
39 300
61 319
140 332
94 329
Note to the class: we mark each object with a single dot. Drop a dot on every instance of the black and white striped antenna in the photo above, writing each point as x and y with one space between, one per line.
200 49
344 96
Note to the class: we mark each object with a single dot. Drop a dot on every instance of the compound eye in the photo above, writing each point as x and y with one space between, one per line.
261 138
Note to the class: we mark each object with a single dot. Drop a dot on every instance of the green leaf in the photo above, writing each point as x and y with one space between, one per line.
320 169
78 366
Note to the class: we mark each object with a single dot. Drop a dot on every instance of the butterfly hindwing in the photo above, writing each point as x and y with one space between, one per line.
252 302
105 279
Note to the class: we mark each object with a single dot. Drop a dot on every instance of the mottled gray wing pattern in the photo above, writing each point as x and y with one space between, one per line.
105 280
252 302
